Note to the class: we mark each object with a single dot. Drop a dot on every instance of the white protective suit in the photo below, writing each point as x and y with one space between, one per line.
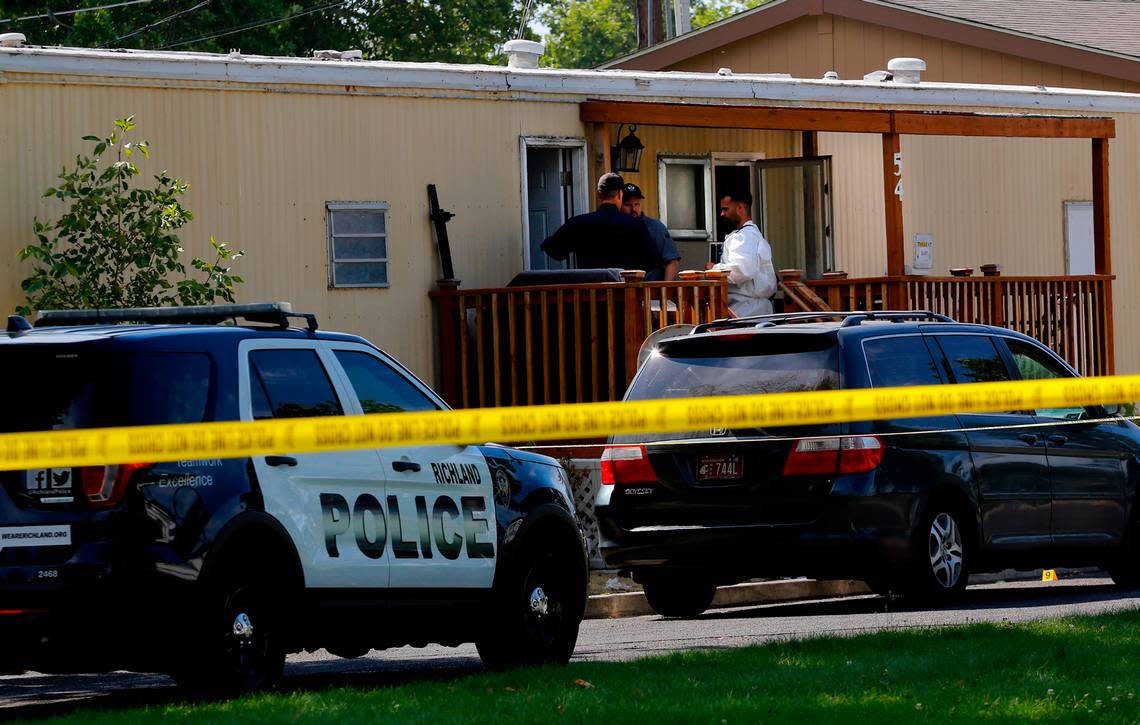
747 258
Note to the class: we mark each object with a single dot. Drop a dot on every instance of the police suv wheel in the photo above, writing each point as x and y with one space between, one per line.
240 650
678 595
537 608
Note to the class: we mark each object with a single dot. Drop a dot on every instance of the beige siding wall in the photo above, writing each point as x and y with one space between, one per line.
809 47
261 166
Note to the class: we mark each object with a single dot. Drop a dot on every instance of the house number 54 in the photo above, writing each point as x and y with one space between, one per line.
898 173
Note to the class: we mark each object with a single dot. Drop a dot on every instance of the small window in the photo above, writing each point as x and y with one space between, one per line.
1035 364
294 382
358 244
973 359
686 196
380 388
900 361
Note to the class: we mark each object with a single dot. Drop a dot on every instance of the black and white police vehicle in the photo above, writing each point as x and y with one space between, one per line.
214 570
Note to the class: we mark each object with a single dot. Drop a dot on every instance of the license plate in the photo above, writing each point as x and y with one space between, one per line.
48 482
719 468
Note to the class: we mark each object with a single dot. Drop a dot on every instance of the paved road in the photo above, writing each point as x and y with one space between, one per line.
33 694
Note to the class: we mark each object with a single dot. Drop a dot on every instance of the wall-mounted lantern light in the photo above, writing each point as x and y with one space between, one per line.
626 156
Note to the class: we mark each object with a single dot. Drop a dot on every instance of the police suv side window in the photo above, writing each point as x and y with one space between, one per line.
290 384
900 361
380 388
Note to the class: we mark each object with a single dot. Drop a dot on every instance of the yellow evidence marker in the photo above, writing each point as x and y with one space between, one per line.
1049 575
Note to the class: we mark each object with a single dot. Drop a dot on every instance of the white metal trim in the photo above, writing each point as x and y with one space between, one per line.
557 85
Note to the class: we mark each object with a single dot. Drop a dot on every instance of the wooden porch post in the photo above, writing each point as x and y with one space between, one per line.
600 153
1102 250
1101 242
892 202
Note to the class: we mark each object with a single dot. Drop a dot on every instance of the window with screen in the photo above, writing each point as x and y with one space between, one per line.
290 384
379 387
358 244
686 196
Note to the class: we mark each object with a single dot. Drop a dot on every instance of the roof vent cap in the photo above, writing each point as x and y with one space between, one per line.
523 53
831 76
352 55
724 71
907 70
12 40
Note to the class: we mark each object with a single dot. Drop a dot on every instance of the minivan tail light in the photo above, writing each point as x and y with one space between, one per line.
105 486
860 454
832 456
626 464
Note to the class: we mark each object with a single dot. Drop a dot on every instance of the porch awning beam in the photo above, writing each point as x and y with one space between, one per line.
925 123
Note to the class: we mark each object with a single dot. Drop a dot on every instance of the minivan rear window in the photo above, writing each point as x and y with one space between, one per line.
66 388
739 367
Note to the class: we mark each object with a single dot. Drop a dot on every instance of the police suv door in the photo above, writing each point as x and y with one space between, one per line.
329 503
439 499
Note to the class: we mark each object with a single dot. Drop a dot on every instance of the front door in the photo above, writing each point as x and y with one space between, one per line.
794 213
1010 460
328 502
551 197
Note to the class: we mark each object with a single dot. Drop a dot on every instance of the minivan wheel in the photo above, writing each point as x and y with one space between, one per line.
681 595
940 566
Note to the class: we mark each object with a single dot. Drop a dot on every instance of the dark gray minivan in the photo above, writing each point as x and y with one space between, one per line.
912 505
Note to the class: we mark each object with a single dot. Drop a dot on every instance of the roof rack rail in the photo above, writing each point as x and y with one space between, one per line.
848 319
274 313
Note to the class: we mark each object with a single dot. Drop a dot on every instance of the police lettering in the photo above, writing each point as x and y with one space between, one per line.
449 527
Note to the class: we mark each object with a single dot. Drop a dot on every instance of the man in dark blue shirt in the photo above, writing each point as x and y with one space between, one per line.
606 237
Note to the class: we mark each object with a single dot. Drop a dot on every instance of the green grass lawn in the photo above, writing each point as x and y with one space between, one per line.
1081 669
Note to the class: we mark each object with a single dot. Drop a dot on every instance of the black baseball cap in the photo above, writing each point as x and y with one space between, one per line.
633 191
609 183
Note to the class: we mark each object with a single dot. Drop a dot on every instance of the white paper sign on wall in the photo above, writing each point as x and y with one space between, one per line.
923 253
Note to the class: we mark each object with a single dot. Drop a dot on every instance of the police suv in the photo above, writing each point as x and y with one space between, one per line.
212 570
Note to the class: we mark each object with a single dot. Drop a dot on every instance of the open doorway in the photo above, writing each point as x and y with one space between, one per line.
553 190
791 204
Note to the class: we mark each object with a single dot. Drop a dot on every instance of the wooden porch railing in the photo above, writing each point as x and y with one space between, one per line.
1072 315
558 343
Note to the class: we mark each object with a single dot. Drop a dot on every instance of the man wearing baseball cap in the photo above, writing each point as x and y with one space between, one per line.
606 237
666 248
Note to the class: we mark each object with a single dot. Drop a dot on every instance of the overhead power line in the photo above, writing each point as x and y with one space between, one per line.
256 24
76 11
167 19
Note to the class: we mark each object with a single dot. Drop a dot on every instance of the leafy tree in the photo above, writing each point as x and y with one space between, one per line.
116 244
414 30
587 33
706 12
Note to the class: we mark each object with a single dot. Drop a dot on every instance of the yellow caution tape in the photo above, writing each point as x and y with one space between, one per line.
102 446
